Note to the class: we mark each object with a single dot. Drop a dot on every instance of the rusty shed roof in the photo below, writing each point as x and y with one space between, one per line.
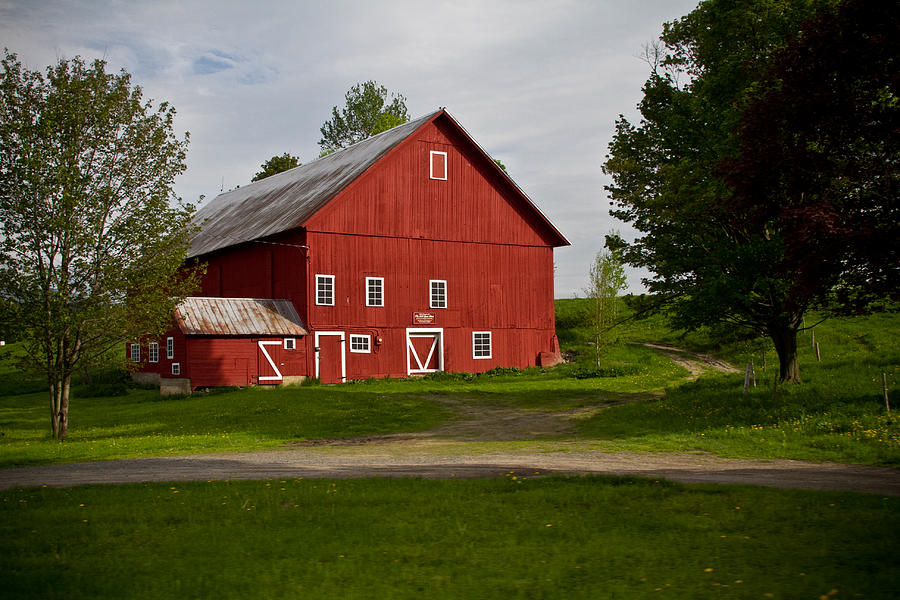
238 316
291 197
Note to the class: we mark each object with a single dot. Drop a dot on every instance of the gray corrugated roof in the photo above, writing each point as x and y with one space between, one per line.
286 200
238 316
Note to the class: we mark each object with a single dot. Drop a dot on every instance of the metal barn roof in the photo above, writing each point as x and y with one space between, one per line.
287 199
238 316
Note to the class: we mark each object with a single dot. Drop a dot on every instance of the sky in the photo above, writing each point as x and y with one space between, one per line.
538 84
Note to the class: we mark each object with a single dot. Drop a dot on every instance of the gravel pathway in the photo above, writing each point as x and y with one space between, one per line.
335 463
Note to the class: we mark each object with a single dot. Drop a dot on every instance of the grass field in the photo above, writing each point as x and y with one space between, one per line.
519 536
512 537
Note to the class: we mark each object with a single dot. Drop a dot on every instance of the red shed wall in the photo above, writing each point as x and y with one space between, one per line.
164 366
238 361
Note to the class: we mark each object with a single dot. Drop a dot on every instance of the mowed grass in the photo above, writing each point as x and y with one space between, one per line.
517 536
143 423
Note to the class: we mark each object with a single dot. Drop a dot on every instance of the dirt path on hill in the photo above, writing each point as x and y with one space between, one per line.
467 448
694 362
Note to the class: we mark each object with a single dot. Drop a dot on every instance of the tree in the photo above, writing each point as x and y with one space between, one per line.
366 112
819 157
92 237
605 280
276 164
705 266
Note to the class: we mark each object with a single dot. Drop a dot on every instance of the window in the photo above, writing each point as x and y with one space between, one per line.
290 344
438 293
176 368
481 344
153 352
135 353
170 348
374 291
325 290
360 343
438 165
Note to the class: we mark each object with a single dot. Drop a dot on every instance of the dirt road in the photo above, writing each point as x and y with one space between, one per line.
362 461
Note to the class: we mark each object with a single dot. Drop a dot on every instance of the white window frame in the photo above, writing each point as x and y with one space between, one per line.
176 368
153 352
357 340
379 301
290 344
170 348
326 281
476 346
135 353
431 172
431 293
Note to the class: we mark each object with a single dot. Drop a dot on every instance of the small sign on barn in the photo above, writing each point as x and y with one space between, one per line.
424 318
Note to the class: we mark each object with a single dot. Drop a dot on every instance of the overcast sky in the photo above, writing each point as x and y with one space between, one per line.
539 85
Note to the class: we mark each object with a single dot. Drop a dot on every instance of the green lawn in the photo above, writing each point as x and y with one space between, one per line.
514 537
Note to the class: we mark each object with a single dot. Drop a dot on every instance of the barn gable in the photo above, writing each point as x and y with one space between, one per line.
293 198
402 197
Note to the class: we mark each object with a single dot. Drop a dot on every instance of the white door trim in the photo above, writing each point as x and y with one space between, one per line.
437 334
343 353
262 348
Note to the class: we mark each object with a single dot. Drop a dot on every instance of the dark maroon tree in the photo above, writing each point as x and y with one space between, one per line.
819 160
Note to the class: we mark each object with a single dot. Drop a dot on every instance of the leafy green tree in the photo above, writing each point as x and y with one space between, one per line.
605 280
367 111
665 180
276 164
92 236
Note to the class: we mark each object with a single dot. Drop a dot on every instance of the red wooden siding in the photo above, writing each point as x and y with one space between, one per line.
397 198
238 361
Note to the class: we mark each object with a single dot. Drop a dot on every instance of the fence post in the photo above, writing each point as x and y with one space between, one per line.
746 378
887 402
818 355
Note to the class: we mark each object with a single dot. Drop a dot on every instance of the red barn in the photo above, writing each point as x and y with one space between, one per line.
407 253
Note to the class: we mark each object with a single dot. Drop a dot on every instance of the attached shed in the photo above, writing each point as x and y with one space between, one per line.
225 342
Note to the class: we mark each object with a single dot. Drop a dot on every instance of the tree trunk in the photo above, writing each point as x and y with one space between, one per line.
64 408
59 407
54 410
784 336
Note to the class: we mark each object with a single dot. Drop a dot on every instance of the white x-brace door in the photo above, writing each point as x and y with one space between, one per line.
417 359
262 348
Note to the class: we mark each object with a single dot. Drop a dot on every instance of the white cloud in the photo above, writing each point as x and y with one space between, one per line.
539 84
